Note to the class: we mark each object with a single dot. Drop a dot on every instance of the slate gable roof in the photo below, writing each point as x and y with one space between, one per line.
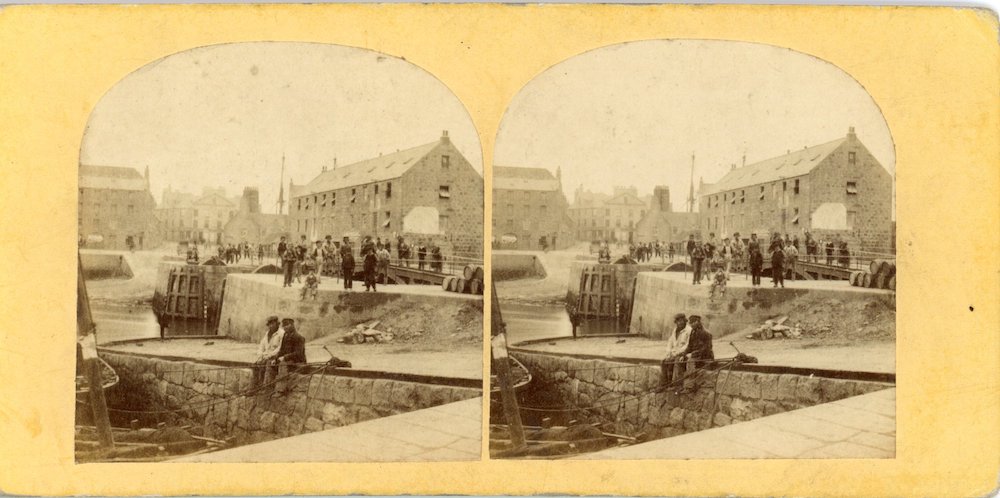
795 163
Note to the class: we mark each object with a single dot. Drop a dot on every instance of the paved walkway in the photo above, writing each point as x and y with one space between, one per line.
336 286
459 363
857 427
740 280
877 357
445 433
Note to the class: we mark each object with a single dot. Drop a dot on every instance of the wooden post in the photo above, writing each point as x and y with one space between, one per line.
500 359
86 333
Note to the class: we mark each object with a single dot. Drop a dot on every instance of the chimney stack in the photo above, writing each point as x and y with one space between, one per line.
444 136
744 160
850 133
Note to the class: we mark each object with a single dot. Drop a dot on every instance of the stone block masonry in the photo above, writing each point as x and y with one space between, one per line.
250 299
622 395
214 398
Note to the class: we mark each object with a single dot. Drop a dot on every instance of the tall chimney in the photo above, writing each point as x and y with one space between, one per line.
850 133
444 136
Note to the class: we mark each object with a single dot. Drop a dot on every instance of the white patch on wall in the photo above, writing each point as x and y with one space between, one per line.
830 216
422 219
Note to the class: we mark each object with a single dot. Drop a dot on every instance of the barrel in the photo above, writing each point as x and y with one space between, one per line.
874 266
462 286
892 282
478 274
454 284
477 287
446 283
853 278
866 279
469 272
882 281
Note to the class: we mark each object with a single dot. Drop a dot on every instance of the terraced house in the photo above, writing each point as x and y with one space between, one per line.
836 188
429 192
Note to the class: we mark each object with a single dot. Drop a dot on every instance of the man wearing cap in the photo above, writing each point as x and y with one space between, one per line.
267 353
291 355
677 343
698 353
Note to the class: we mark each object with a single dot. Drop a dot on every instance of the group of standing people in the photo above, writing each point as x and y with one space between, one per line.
782 251
233 253
325 257
427 255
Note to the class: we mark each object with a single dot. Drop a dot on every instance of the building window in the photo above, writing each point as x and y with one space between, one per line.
852 188
443 223
761 193
388 218
852 158
298 203
333 199
743 196
784 186
851 217
796 188
376 189
388 190
444 192
795 216
354 195
445 161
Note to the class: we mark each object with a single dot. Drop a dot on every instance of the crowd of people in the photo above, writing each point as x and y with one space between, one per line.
722 257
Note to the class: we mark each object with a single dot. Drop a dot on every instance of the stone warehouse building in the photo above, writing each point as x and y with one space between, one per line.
598 216
429 193
662 223
186 217
116 207
836 188
528 203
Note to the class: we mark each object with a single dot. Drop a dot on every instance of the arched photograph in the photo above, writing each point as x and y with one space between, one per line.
280 261
693 257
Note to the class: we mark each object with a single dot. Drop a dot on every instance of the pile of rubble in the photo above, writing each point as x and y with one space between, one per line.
363 332
771 329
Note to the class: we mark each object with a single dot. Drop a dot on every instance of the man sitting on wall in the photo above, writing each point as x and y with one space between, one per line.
292 354
698 353
677 343
264 368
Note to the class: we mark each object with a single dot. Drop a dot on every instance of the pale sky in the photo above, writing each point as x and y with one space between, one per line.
634 113
223 115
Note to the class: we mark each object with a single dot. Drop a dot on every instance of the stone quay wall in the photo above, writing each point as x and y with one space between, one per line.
209 397
514 266
103 265
619 394
659 296
249 301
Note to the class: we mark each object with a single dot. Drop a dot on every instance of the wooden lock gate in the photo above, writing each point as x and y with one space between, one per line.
598 296
186 293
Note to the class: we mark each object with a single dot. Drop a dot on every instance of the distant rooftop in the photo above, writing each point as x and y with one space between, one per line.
518 178
111 177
